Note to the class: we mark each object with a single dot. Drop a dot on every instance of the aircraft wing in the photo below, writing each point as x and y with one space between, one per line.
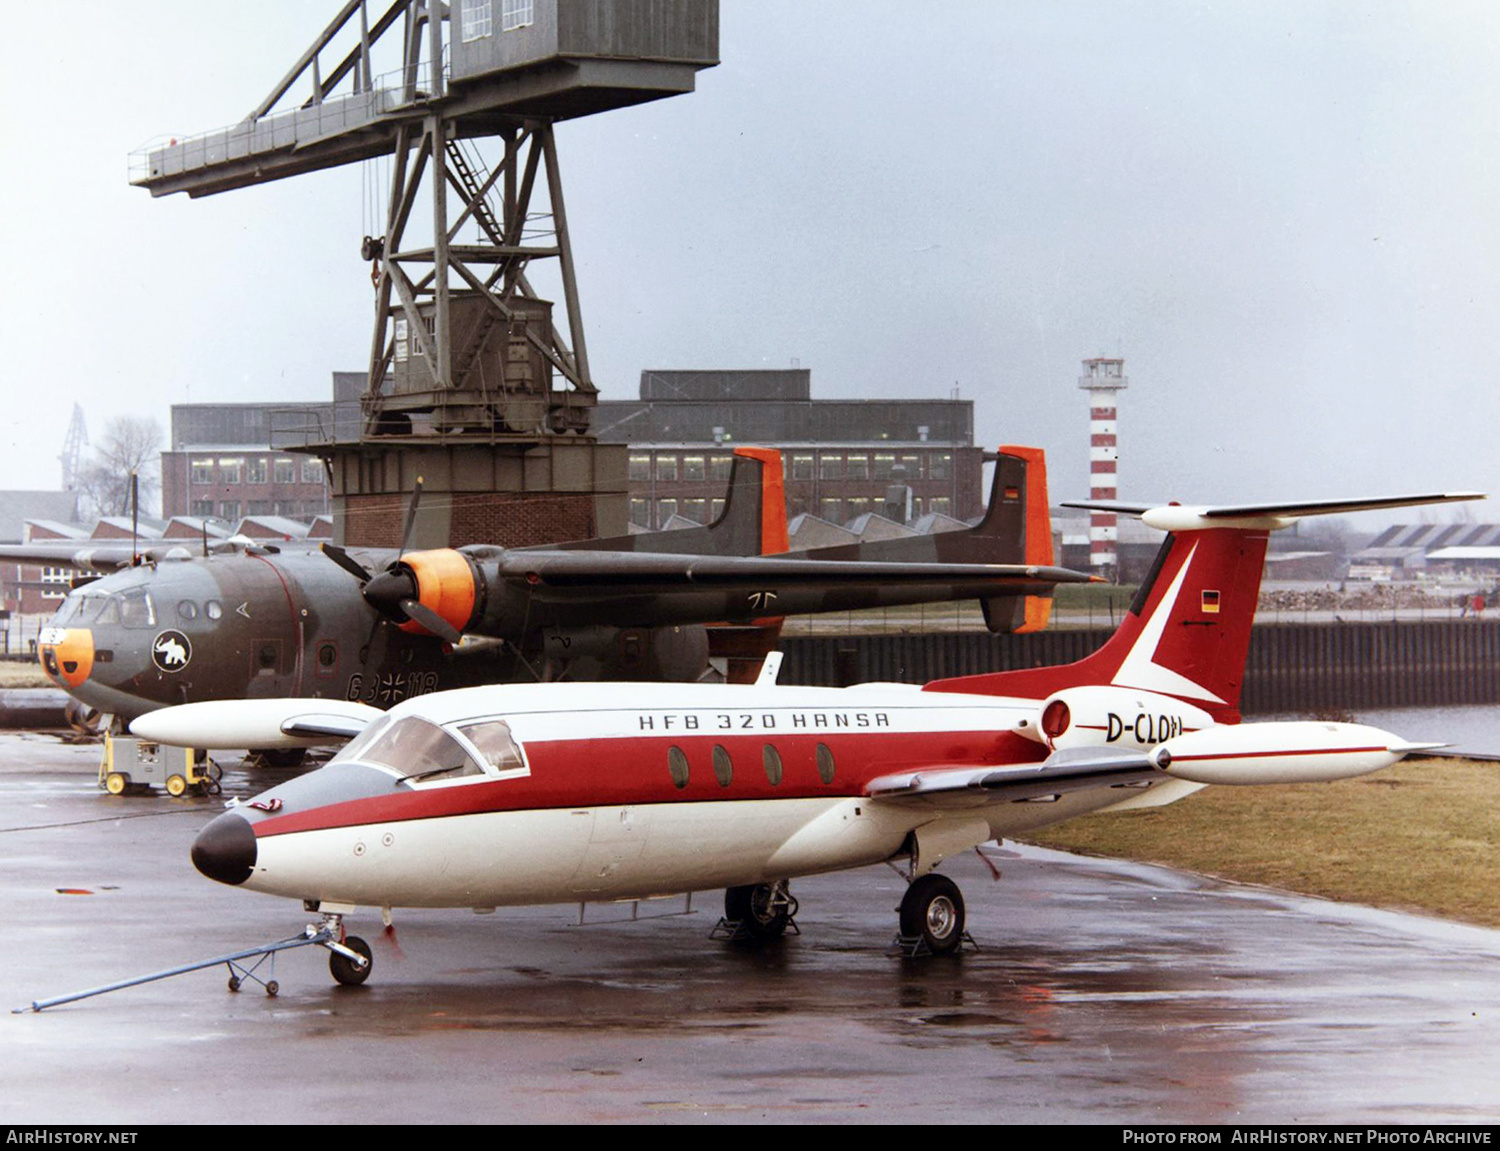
111 555
585 574
81 555
1073 769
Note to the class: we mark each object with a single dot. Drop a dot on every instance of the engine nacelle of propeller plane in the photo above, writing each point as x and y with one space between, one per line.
444 581
1108 716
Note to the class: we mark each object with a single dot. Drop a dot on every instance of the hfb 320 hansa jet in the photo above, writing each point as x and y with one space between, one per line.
255 621
546 793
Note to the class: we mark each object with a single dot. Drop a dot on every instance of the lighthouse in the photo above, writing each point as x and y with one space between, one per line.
1103 379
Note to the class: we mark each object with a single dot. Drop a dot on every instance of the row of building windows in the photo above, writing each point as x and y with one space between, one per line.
723 765
673 466
56 582
477 18
231 509
836 511
255 470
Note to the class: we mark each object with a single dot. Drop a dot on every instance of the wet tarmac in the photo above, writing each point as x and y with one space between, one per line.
1102 992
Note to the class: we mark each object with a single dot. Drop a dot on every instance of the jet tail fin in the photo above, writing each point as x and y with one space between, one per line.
1187 633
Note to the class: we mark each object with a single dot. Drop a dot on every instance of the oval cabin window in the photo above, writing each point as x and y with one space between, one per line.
771 758
677 764
723 766
825 763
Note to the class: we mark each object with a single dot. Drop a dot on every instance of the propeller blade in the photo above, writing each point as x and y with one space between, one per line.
430 619
339 556
411 517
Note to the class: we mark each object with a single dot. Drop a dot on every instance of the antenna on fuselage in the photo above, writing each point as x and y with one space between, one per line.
135 520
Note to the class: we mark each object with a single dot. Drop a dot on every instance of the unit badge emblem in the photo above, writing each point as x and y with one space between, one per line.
170 651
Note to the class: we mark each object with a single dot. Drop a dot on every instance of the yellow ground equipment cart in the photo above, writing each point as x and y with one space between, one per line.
133 765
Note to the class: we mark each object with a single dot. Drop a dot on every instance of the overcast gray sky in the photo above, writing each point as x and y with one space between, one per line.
1285 216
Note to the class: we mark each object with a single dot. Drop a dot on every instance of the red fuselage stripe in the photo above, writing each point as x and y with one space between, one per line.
619 771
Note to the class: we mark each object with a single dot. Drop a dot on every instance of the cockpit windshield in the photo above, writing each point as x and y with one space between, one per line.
133 608
79 609
415 748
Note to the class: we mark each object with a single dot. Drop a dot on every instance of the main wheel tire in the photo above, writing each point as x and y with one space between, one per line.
344 970
760 908
933 909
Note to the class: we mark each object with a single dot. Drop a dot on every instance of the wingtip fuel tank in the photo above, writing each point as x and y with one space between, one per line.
1293 751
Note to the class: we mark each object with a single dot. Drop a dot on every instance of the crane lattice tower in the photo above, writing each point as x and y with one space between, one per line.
471 383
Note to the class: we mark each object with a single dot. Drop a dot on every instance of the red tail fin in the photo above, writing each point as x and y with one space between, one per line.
1186 635
1188 631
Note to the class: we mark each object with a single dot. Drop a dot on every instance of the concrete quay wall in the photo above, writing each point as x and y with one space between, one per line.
1291 668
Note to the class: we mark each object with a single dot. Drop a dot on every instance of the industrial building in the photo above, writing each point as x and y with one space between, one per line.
843 459
220 466
1404 550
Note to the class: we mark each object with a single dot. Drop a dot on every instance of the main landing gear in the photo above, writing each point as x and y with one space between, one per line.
932 916
757 912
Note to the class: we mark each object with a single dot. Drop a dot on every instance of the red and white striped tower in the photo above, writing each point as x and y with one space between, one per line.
1102 379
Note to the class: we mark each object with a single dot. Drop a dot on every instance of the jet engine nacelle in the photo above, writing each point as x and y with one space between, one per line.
1121 717
1297 751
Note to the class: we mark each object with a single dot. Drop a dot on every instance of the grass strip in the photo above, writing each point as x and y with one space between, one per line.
1422 836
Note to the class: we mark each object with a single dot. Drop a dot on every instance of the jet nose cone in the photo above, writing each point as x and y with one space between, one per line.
225 849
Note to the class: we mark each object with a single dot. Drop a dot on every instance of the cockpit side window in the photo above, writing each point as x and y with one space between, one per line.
493 740
136 608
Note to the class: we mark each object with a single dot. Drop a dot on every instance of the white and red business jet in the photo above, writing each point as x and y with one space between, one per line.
566 792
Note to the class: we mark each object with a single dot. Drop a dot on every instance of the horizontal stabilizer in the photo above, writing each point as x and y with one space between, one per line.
1264 516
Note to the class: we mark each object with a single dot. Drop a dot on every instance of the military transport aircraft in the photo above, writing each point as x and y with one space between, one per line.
255 621
546 793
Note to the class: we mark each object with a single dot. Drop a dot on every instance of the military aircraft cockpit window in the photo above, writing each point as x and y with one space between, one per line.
421 751
79 609
493 740
213 609
187 609
136 608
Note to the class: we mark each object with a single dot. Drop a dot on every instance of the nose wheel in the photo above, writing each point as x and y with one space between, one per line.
346 971
932 916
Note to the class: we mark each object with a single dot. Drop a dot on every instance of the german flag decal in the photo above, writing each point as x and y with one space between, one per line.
1210 602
